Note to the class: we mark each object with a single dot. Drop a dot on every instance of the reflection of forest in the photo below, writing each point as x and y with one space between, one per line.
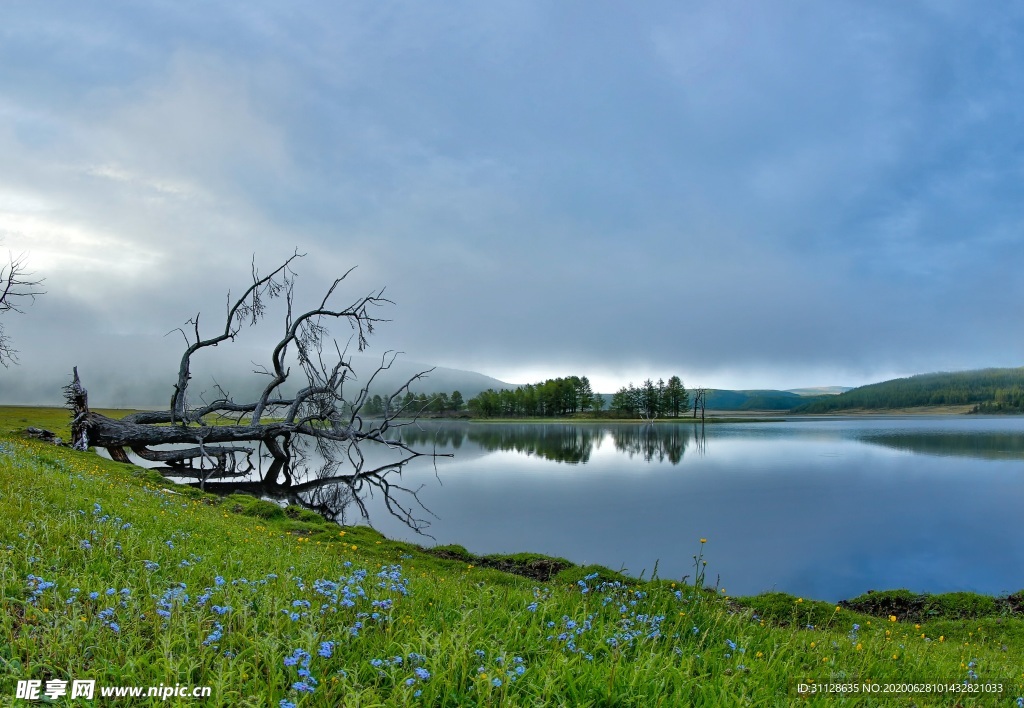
444 435
561 442
986 446
653 442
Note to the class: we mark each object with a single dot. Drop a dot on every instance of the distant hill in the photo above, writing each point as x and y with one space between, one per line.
755 400
440 380
820 390
991 390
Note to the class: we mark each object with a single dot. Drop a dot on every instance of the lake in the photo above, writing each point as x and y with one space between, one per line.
822 508
825 508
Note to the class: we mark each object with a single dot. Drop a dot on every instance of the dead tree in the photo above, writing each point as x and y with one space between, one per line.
699 402
17 286
323 411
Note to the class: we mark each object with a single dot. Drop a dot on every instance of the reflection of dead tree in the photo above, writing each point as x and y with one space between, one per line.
319 409
701 440
331 493
16 286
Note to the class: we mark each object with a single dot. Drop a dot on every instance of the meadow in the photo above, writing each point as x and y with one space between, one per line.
111 573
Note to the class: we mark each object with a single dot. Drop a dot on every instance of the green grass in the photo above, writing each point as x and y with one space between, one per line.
89 525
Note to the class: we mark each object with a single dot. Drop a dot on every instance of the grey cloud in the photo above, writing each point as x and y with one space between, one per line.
715 189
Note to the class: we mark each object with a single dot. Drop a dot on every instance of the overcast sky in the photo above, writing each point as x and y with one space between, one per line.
747 194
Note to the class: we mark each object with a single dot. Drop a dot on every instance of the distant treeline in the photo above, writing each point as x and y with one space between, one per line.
988 390
573 394
554 397
652 400
991 390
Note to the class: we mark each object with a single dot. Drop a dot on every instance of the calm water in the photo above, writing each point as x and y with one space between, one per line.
826 508
821 508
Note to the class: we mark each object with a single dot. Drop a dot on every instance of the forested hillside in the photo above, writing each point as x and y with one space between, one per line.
757 400
991 390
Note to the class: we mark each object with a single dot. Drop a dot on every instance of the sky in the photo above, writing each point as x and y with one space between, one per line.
745 194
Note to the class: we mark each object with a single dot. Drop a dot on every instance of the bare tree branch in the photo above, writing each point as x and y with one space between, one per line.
209 437
17 285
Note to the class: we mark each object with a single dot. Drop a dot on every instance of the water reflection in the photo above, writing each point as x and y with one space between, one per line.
655 443
979 445
334 487
820 508
561 442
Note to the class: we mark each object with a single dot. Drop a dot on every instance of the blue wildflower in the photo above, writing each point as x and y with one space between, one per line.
215 635
326 649
39 586
422 674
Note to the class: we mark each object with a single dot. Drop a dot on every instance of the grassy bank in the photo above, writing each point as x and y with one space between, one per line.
110 573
